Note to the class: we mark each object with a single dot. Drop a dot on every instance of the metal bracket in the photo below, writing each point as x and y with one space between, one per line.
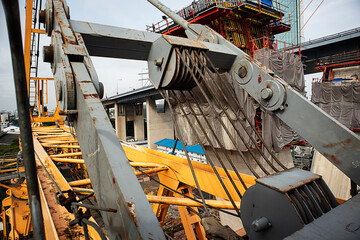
64 81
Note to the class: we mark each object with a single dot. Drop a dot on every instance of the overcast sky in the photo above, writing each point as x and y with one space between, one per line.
123 75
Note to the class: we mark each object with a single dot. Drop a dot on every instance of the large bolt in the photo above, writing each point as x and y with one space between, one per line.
260 224
48 54
158 62
266 93
101 90
42 16
242 72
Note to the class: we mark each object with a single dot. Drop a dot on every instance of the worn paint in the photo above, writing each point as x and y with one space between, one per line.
131 207
332 158
331 145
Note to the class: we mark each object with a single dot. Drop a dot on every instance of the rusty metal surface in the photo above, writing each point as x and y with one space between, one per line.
184 42
288 179
64 81
62 21
113 180
332 139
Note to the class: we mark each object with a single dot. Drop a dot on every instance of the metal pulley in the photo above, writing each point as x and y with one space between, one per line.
281 204
169 65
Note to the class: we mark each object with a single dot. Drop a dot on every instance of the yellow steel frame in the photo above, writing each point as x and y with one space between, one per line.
39 82
53 143
15 210
43 156
173 172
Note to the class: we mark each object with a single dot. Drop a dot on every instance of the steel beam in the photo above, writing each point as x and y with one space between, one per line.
81 182
117 42
190 203
113 180
179 172
153 170
332 139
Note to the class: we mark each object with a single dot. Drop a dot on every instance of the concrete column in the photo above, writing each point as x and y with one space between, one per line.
139 126
159 125
120 123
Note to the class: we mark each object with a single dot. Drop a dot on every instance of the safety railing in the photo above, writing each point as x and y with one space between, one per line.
332 36
338 60
267 42
197 7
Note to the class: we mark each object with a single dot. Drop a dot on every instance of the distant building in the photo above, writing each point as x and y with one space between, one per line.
292 16
12 130
196 153
4 117
3 125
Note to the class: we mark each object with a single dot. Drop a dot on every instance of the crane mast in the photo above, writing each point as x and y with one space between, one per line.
281 203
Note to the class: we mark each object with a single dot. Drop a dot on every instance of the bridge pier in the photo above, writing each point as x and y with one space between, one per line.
120 121
159 125
139 124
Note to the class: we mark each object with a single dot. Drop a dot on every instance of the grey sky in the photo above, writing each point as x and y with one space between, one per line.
332 17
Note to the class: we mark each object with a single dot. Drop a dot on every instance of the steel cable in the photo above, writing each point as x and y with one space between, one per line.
229 93
212 164
218 141
180 136
220 120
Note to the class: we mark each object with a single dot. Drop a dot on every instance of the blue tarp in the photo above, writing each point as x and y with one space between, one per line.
267 2
170 143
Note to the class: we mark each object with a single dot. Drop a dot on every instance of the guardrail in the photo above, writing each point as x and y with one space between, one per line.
332 36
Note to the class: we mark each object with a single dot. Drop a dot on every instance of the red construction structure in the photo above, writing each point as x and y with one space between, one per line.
248 24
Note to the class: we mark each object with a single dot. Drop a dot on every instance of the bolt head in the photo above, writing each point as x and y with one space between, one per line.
242 72
266 93
158 62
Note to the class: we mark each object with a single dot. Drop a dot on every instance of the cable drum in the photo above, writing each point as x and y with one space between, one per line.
178 72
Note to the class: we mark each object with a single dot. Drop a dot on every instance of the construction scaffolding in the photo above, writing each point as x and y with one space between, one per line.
244 23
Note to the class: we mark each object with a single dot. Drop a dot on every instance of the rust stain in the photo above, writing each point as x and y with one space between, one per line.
80 39
131 206
331 145
64 25
90 26
94 119
92 95
333 158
